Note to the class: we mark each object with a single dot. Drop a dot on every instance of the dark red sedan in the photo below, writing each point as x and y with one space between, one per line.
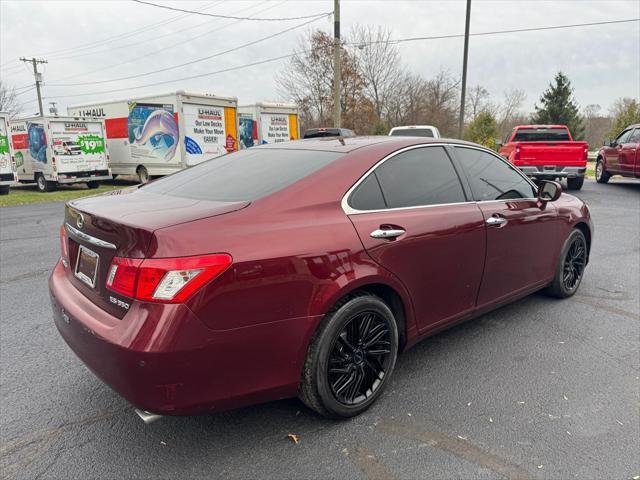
303 269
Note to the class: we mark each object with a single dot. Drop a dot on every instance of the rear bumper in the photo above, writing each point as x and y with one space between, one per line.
163 359
83 177
553 172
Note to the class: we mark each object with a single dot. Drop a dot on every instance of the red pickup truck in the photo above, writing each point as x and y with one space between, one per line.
621 156
547 152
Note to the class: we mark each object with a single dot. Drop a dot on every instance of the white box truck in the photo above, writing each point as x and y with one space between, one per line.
268 122
60 150
7 168
161 134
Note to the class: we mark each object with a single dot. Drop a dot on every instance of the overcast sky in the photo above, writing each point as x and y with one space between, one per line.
76 37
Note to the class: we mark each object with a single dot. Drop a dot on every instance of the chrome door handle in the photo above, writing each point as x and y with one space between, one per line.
495 221
390 233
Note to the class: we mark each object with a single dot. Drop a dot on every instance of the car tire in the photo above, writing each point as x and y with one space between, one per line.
4 189
93 184
571 265
143 174
602 176
43 185
575 183
350 358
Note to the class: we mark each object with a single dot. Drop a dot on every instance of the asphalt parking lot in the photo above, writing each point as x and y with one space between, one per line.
539 389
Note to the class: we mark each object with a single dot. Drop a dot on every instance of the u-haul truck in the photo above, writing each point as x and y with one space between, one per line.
60 150
161 134
268 122
7 168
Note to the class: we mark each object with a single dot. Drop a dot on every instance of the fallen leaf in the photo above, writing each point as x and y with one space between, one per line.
490 420
462 438
565 397
409 414
294 438
568 432
539 466
162 443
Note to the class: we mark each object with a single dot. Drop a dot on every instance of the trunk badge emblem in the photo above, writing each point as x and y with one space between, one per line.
80 221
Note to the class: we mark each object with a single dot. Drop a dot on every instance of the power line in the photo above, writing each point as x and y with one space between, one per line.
282 57
209 57
146 55
33 87
56 53
230 69
279 19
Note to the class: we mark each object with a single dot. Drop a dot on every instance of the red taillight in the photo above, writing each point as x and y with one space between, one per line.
516 154
123 274
64 246
585 156
164 280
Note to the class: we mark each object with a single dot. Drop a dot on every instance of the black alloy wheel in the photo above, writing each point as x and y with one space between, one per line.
360 357
574 263
351 357
570 267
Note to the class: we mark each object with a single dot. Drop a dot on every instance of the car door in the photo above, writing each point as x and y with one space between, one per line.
522 234
413 218
629 154
612 153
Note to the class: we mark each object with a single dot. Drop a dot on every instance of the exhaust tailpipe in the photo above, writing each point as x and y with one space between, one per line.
148 417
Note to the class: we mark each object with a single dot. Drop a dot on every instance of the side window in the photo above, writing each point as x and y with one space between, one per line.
635 136
367 195
509 135
421 176
492 178
623 137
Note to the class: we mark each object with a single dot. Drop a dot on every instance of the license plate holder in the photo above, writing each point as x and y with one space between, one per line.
87 266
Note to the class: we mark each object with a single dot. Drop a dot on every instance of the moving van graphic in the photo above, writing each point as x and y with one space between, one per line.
153 126
37 142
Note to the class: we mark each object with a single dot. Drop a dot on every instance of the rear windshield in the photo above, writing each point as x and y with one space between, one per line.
542 135
243 176
413 132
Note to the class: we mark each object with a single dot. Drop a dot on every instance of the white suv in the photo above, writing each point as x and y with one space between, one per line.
415 131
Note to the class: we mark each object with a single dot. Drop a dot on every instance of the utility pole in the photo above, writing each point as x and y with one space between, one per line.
337 108
464 70
38 77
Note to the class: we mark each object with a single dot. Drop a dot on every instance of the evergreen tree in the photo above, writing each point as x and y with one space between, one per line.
483 130
559 107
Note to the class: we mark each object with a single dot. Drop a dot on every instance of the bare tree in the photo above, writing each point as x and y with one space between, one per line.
509 114
478 98
8 100
441 102
379 63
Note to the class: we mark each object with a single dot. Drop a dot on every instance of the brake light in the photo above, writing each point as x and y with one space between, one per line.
516 154
164 280
585 155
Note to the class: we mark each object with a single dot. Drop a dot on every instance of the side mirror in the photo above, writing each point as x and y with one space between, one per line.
498 142
549 191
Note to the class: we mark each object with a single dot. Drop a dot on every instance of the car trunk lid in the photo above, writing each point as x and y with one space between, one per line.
122 224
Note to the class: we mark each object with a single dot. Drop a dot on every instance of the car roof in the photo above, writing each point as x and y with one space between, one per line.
349 144
411 127
540 126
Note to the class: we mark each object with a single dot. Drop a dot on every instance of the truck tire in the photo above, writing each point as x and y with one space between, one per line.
93 184
575 183
143 174
4 189
602 176
43 185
